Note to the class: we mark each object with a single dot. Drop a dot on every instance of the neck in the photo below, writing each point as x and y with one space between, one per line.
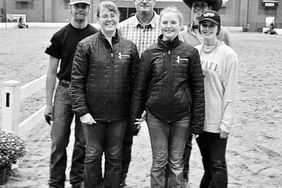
210 42
171 39
145 18
108 35
79 25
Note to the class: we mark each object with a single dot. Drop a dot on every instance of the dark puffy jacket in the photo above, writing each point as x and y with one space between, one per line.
170 84
103 77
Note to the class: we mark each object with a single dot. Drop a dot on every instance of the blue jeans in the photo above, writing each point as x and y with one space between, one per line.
60 134
213 150
187 154
103 137
168 141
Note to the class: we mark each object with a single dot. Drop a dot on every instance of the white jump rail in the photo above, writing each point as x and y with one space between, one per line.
12 96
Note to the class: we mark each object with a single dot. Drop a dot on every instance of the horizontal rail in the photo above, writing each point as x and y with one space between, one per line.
32 120
32 87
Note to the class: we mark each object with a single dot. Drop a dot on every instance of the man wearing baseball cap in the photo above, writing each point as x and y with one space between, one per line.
193 37
59 111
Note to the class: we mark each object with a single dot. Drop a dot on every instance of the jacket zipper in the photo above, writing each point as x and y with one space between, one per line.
169 82
112 73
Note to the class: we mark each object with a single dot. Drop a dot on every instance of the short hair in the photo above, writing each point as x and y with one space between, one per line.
109 5
174 10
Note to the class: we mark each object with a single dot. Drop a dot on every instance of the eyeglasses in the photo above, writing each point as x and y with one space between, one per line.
107 16
80 5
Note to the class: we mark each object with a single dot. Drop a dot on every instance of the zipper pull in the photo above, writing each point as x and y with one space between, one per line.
112 55
168 52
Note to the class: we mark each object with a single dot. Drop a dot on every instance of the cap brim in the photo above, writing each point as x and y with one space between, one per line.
79 2
209 19
216 4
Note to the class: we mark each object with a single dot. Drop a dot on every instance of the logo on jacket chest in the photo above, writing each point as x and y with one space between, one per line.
120 55
181 60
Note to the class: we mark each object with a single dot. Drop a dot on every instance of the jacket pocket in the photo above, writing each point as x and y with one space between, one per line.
188 96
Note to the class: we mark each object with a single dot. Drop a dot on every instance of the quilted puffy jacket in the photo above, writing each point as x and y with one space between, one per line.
103 77
170 84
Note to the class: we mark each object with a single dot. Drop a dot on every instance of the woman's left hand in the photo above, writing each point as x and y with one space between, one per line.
223 134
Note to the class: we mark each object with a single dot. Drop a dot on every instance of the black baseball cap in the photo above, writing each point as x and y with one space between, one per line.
211 16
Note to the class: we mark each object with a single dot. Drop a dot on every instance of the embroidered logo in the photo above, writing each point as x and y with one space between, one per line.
180 59
122 55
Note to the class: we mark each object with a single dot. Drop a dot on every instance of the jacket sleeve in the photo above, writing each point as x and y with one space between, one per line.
78 80
229 96
135 63
198 94
140 90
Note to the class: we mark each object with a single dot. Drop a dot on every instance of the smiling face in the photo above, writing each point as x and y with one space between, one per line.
208 29
170 25
108 20
144 6
79 11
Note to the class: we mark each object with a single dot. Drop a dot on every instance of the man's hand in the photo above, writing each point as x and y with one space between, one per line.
87 119
138 121
195 136
48 114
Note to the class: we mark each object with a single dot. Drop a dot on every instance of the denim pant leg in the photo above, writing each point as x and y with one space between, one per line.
126 152
78 155
60 133
94 137
213 150
186 156
159 133
178 134
113 153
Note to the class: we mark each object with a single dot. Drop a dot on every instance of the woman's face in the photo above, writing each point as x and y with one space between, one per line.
170 25
108 20
208 30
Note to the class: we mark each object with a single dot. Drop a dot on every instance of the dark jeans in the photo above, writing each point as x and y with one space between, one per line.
126 152
168 142
60 133
213 150
103 137
186 157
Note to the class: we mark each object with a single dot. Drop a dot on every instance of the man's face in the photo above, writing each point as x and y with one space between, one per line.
199 7
144 6
79 11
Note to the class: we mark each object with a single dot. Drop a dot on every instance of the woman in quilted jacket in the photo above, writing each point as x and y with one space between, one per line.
103 74
170 87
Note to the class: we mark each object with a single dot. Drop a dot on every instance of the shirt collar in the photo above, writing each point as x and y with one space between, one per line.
153 23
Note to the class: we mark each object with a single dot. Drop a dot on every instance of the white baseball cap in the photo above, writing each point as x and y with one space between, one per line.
72 2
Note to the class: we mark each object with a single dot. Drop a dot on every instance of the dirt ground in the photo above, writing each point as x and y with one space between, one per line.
254 147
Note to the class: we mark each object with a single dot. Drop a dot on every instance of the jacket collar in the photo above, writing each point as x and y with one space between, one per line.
115 39
168 44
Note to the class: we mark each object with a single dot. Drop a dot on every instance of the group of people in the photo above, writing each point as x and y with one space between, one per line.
182 83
